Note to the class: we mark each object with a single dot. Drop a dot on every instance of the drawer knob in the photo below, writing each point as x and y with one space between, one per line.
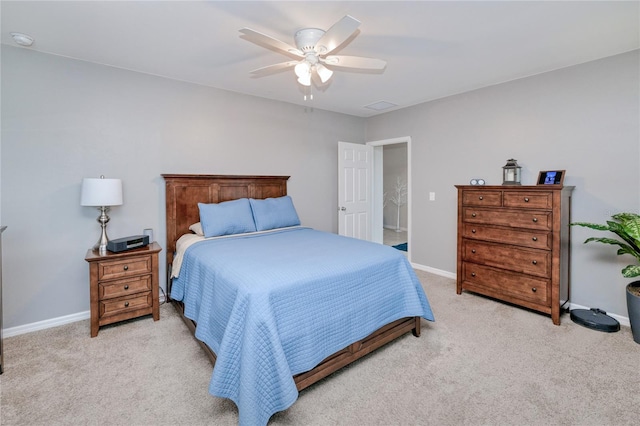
126 304
535 219
126 287
534 289
126 267
473 250
473 274
473 231
535 262
481 198
526 199
535 238
473 215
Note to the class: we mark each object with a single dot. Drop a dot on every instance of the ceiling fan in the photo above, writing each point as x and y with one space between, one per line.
314 46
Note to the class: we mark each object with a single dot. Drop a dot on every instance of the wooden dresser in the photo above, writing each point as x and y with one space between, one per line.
513 244
123 285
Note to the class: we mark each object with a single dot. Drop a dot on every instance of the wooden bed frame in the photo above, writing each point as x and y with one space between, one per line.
184 192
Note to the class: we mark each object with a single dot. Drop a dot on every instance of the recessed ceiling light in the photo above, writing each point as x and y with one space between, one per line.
22 39
380 105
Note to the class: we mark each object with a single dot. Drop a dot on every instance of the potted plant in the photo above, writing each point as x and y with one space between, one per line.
627 227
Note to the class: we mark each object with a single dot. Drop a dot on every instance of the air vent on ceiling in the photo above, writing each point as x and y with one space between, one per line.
380 105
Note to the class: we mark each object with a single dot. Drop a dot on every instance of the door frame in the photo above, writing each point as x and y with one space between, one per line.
377 222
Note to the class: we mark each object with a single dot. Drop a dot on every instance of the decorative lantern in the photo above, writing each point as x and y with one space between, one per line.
511 173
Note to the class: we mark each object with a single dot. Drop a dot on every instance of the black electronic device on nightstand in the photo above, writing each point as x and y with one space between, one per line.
128 243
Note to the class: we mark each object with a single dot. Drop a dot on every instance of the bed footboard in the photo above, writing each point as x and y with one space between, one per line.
340 359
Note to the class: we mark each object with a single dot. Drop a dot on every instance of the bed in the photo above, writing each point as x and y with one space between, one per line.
299 320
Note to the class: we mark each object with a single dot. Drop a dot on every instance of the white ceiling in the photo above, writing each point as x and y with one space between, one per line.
433 49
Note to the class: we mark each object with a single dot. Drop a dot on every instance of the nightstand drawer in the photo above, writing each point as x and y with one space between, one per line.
124 267
125 304
111 289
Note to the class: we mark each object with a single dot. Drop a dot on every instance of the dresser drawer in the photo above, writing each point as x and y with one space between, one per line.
124 267
496 283
529 200
125 304
124 287
513 258
534 219
482 198
526 238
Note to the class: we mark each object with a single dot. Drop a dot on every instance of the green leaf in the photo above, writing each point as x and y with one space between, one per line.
591 225
604 241
631 271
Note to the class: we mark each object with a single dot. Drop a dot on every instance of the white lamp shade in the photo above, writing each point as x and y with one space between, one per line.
303 69
305 80
324 73
101 192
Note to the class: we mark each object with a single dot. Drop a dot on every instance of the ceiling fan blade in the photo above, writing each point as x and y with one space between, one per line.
354 62
337 34
269 42
270 69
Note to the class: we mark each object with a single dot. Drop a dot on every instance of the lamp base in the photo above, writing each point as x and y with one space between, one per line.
103 219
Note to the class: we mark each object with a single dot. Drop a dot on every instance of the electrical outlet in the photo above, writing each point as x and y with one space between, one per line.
432 196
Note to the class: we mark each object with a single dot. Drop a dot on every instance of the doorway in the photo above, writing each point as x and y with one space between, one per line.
391 213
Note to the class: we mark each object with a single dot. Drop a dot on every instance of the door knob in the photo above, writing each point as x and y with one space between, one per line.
343 209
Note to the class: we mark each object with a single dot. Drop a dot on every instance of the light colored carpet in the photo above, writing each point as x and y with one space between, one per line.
481 363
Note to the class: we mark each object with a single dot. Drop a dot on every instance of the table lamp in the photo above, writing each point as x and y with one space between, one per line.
102 193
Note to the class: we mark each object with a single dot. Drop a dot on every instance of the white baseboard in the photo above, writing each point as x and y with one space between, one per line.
80 316
41 325
435 271
50 323
621 319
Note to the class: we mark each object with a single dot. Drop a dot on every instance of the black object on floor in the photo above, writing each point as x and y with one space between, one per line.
596 319
402 246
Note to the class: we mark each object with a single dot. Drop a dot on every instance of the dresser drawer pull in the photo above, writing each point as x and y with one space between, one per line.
535 238
481 198
535 219
534 289
473 250
126 267
126 287
126 304
473 215
535 262
473 231
473 274
526 199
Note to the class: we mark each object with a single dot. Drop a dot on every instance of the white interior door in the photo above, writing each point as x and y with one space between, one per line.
355 194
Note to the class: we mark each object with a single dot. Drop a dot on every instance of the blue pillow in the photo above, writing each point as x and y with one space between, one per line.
228 217
272 213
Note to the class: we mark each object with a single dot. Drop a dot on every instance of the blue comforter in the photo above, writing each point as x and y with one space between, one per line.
274 305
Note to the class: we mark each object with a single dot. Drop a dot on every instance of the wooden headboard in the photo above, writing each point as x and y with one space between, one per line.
184 192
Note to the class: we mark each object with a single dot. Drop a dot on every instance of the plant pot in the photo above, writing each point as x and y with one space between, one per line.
633 307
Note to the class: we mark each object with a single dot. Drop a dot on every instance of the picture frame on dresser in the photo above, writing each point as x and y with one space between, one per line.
551 177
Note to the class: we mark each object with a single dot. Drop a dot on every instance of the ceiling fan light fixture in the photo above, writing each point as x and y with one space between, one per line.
305 80
303 69
324 73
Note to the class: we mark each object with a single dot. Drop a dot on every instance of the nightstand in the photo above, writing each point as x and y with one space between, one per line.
123 285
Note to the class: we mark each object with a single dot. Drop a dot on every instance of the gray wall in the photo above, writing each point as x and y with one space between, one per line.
584 119
63 120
